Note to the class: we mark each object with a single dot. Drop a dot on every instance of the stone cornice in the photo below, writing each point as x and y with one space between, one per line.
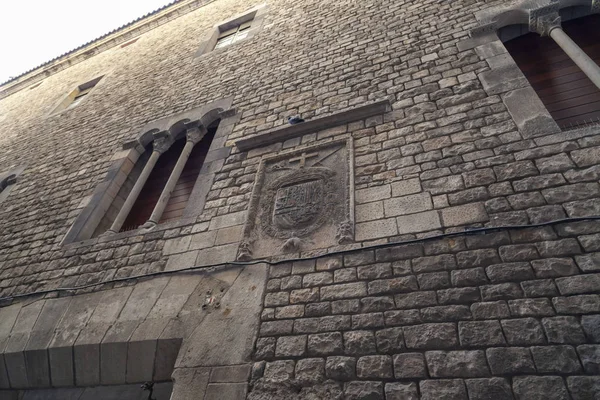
106 42
291 131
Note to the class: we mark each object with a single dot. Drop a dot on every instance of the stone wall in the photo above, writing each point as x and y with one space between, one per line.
512 312
505 315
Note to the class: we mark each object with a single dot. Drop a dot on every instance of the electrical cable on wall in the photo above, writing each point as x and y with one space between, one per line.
468 232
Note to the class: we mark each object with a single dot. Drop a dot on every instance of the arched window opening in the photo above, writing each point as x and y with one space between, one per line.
569 95
145 207
146 201
183 189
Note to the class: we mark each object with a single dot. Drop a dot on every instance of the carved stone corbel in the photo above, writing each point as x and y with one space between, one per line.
345 232
544 19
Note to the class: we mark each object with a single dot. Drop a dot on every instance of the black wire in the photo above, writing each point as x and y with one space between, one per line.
467 232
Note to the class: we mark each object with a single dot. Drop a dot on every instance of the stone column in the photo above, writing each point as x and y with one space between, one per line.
195 133
546 21
160 145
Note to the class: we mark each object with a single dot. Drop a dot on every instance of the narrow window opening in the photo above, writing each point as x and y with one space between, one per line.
146 201
186 182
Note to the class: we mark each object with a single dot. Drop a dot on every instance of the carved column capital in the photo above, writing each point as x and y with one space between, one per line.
162 142
544 19
195 131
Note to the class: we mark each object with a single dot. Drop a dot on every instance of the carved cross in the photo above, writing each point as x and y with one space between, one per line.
302 158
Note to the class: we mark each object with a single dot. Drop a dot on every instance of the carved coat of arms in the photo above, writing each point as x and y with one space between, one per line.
301 199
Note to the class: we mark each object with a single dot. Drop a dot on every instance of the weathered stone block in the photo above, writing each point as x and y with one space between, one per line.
394 285
325 344
531 308
584 387
421 222
359 342
492 388
457 364
363 390
450 389
480 334
591 326
556 359
490 310
340 368
563 330
374 367
401 391
539 388
431 336
390 340
523 331
310 370
465 214
510 360
590 358
291 346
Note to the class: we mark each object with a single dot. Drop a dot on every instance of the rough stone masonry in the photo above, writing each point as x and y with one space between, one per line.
428 233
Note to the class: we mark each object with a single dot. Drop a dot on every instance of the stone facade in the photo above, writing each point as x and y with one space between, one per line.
470 261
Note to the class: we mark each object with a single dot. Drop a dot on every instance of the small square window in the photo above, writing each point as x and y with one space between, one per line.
233 35
240 27
77 95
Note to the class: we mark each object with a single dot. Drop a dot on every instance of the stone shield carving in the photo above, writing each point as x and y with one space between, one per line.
301 201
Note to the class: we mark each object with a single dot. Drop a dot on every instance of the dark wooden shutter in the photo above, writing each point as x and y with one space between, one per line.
143 207
183 190
570 97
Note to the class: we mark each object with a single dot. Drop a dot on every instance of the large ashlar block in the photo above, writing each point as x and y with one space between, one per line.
463 215
529 113
421 222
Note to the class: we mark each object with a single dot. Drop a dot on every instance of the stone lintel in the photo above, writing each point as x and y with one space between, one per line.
292 131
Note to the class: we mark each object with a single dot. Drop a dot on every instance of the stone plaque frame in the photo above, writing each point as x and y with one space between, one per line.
302 199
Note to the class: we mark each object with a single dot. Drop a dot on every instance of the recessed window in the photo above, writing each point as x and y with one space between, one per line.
571 98
8 180
77 95
233 35
240 27
80 96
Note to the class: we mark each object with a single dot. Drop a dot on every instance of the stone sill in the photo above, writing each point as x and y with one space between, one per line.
132 233
291 131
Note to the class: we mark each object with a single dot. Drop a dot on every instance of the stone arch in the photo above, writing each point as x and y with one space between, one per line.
519 13
147 137
177 130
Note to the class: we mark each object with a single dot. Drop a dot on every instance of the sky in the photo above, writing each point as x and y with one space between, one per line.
33 31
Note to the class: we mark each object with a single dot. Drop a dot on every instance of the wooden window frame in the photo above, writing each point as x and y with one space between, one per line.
254 17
